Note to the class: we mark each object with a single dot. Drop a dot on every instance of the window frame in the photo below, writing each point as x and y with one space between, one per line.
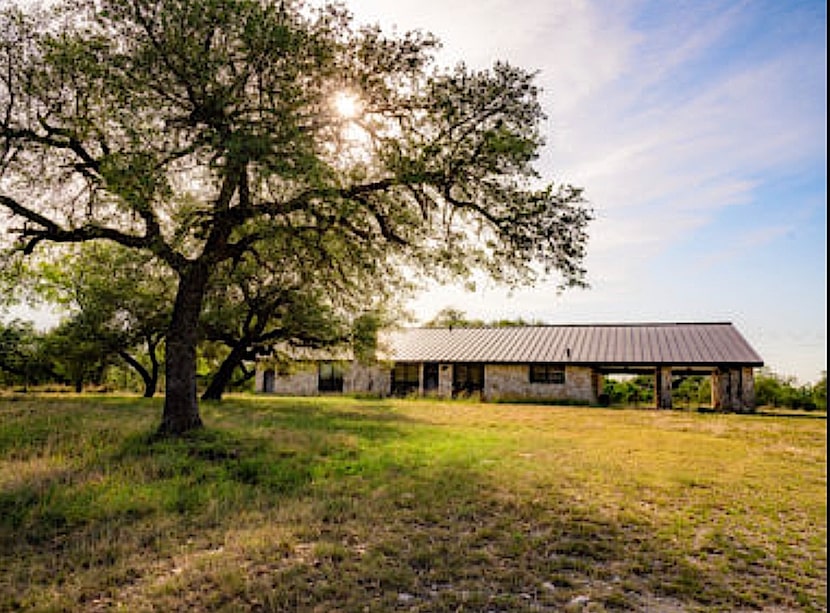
547 374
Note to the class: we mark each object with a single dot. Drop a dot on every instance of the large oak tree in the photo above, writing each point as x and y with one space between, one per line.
200 131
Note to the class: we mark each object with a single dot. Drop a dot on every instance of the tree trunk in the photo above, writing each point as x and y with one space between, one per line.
222 378
150 389
181 406
149 378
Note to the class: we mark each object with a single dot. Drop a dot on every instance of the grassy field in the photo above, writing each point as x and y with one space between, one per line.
377 505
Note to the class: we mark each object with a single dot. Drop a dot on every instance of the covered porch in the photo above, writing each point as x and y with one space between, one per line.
732 386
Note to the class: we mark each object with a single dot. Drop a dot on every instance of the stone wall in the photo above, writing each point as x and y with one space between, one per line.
302 379
367 379
501 381
733 389
512 382
298 379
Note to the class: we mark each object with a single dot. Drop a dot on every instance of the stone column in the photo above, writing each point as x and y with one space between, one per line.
662 387
747 390
720 390
445 380
733 389
598 384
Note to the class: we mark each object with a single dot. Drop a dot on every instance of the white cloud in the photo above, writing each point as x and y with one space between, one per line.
746 243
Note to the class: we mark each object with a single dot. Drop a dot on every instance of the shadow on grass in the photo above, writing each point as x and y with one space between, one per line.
443 540
786 415
91 504
170 474
373 419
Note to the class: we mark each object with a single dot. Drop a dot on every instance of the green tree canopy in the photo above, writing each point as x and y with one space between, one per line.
121 295
199 131
451 317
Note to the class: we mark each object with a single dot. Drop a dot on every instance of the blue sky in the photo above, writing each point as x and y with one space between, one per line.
699 131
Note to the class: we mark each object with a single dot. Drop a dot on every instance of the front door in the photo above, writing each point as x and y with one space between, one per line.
268 381
430 376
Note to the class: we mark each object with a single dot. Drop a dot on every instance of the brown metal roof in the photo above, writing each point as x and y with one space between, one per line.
687 344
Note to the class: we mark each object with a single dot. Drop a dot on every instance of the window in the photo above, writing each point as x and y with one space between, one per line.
406 378
330 377
547 373
467 378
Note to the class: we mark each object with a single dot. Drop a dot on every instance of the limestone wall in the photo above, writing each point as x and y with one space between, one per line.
501 381
733 389
302 379
512 381
748 390
367 379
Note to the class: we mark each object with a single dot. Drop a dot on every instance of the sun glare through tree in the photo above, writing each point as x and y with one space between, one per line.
347 105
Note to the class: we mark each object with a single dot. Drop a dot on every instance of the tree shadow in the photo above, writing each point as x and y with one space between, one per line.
370 418
780 414
89 519
446 541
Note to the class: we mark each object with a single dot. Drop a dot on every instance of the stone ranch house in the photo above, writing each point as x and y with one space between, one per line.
547 363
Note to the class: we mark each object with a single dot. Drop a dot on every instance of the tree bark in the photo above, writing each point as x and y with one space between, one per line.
223 375
181 406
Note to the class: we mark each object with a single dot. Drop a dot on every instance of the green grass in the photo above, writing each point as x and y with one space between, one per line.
342 504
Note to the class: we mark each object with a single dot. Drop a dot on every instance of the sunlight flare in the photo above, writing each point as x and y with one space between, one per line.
347 105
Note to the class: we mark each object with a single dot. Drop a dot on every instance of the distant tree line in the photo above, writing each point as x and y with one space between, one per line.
775 390
451 317
88 351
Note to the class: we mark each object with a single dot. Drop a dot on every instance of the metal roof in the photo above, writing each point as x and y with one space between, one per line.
687 344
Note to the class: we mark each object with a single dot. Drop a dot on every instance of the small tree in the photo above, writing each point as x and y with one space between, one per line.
120 295
23 358
79 351
819 392
451 317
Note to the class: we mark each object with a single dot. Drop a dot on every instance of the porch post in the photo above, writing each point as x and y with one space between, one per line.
662 387
724 394
747 390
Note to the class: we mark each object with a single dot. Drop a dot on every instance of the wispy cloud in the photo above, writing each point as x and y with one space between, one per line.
746 243
672 140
